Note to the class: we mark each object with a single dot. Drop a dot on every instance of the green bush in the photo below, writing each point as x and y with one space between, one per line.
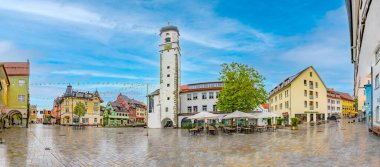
279 121
295 121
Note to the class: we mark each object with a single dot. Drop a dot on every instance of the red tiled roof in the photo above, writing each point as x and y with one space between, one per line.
186 88
265 105
17 68
331 93
345 96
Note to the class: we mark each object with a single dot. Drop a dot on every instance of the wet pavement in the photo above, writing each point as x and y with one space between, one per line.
324 145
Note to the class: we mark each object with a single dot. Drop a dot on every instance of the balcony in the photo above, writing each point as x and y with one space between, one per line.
311 87
311 107
311 96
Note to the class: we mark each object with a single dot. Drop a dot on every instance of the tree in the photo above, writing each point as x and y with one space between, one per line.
80 110
243 88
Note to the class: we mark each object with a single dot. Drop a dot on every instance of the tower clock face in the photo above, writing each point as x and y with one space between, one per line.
167 47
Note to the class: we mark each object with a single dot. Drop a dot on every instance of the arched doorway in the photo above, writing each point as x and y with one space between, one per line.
167 122
186 123
15 118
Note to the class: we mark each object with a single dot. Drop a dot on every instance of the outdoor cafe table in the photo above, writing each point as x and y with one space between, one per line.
246 130
260 128
272 128
211 130
194 131
230 129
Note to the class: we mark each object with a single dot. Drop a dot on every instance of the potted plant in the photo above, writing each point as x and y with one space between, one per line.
294 123
279 122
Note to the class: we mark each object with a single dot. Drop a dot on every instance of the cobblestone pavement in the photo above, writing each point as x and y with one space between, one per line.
323 145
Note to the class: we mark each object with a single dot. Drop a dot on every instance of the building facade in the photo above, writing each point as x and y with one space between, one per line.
170 79
115 115
334 103
137 111
33 114
16 95
348 105
364 24
303 95
367 107
71 98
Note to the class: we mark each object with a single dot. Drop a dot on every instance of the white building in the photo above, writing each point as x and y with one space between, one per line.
364 25
172 104
334 103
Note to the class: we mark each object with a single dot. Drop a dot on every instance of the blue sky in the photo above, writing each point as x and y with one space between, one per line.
117 41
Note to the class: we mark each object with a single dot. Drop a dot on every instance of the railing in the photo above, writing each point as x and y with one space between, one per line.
311 87
311 96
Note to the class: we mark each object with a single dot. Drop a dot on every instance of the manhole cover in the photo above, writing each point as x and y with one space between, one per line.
47 148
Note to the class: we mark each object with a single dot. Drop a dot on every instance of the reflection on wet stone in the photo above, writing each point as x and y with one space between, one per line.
324 145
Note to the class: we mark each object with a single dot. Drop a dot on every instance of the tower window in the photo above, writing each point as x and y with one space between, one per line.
167 39
311 74
168 75
167 34
167 109
168 98
167 85
168 67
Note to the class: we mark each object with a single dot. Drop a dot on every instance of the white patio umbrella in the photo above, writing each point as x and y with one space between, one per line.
203 116
238 114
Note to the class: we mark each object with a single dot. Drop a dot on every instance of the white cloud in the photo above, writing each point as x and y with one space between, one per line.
326 46
100 74
59 11
10 52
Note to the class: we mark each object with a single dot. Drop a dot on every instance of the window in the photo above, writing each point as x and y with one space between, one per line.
316 94
204 108
95 111
95 104
167 85
195 96
377 81
168 67
275 107
304 82
195 108
338 108
204 95
167 39
95 120
337 102
214 108
67 110
21 98
166 109
168 75
328 100
211 95
328 107
311 74
305 93
84 120
275 98
188 96
189 109
280 96
305 104
168 98
41 112
167 34
217 94
316 104
21 82
280 106
316 84
287 104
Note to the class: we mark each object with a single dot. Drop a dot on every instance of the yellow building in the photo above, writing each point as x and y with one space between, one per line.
348 105
303 95
4 84
16 94
71 98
